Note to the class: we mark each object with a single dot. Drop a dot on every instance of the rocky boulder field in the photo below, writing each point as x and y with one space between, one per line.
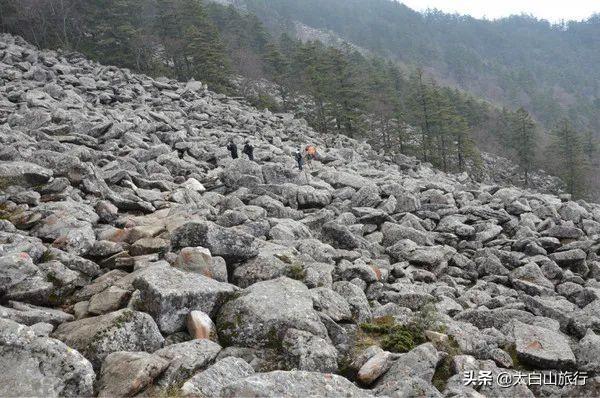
138 259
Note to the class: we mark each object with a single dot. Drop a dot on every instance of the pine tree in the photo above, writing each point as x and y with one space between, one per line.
420 112
568 147
118 32
313 71
191 42
463 144
440 121
278 68
523 141
384 106
344 92
590 146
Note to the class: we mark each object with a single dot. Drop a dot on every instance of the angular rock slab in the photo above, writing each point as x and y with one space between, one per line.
124 373
28 314
23 174
293 384
232 245
169 295
542 348
209 382
123 330
588 352
185 359
40 366
304 351
417 364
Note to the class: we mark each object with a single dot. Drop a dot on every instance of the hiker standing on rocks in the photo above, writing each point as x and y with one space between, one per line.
231 147
299 159
311 153
249 150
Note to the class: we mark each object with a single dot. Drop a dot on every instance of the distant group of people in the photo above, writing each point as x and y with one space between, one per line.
310 153
247 150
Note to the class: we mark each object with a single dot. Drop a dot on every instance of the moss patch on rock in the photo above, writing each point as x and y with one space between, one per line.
390 336
295 271
444 369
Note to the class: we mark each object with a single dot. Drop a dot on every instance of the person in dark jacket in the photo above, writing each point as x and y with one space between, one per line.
299 159
231 147
249 150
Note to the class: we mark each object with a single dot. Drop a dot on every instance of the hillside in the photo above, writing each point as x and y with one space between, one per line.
517 61
137 257
512 63
337 87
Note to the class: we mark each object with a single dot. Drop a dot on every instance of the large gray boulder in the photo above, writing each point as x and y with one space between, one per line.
341 237
367 196
273 261
293 384
331 304
40 366
68 224
392 233
569 258
564 232
542 348
356 299
260 315
588 352
169 295
123 330
47 283
428 257
557 308
28 314
306 196
232 245
124 374
242 173
20 276
304 351
23 174
209 382
185 359
530 279
419 363
289 230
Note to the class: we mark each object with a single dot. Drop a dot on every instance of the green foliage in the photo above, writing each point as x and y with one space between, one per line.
511 349
517 60
393 337
47 257
191 42
173 391
523 140
160 37
265 101
295 271
444 369
567 148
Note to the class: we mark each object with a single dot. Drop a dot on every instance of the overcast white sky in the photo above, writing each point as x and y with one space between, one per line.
552 10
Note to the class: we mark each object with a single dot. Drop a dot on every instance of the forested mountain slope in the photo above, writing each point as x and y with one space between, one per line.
551 70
